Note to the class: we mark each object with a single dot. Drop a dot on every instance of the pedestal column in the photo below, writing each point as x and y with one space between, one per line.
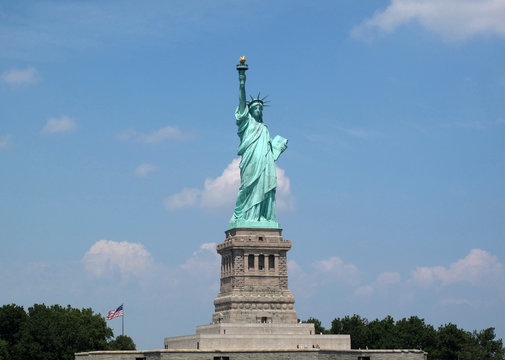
254 295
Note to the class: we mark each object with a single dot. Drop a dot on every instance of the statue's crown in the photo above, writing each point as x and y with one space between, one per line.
258 100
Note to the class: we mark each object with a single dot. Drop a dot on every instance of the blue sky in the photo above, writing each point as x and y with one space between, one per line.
119 168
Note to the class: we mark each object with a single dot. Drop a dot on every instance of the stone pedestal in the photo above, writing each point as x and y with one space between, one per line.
254 278
229 336
254 308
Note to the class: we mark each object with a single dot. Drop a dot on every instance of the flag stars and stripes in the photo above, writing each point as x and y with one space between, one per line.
115 313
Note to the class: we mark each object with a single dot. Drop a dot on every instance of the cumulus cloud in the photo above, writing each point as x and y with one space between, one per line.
285 201
335 268
132 261
454 301
477 267
5 141
364 291
221 192
302 284
442 286
362 134
382 284
59 125
294 269
452 19
144 169
21 76
165 133
185 198
107 257
203 261
388 278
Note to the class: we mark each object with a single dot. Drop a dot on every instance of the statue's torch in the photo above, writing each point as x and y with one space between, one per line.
242 67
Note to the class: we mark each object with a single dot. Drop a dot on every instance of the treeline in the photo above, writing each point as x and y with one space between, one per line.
54 333
448 342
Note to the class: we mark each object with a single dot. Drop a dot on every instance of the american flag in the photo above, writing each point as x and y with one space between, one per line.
115 313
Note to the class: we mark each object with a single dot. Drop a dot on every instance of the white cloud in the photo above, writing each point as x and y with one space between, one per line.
302 284
459 281
477 267
452 19
221 192
165 133
474 124
364 291
362 134
107 257
381 285
200 273
454 301
204 261
59 125
20 76
388 278
285 201
185 198
337 269
5 141
144 169
294 269
131 261
470 124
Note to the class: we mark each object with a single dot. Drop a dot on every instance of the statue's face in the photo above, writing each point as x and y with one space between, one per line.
257 112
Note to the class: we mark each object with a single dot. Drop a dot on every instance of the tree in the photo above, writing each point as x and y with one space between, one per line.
122 342
318 328
482 346
355 326
447 343
493 348
12 319
55 332
450 341
383 334
4 353
413 333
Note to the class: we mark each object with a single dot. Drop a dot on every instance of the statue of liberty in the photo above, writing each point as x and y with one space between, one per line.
255 206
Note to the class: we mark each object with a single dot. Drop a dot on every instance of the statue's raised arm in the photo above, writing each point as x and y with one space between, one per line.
255 206
242 67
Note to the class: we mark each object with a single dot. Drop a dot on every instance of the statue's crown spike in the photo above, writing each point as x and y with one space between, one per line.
258 100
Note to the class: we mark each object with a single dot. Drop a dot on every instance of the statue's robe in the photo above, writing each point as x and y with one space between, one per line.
258 180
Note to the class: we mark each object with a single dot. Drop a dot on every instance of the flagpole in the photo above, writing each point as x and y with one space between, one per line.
122 322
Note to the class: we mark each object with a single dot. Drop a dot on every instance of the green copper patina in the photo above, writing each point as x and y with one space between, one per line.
255 206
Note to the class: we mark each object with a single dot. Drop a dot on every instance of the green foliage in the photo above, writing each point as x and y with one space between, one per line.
493 349
12 318
383 334
450 342
318 328
51 332
4 353
463 345
447 343
413 333
354 325
122 342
